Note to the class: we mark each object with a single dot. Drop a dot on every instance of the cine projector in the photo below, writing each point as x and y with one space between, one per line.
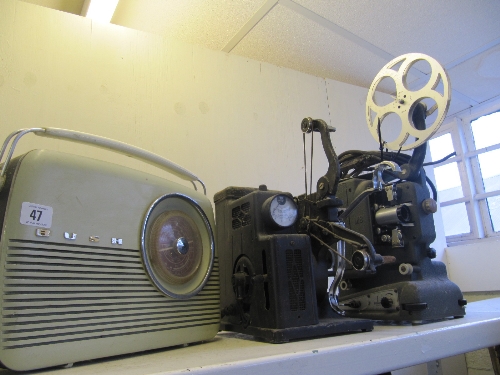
99 260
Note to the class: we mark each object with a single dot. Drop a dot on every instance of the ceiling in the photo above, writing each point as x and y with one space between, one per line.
344 40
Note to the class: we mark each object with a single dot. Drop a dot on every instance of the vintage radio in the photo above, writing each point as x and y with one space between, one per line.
98 259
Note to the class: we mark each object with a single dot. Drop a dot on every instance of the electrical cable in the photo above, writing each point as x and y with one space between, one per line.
440 160
433 188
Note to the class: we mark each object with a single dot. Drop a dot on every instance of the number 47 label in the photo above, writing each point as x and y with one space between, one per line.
36 215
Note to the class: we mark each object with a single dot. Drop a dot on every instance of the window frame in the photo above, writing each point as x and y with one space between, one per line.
460 128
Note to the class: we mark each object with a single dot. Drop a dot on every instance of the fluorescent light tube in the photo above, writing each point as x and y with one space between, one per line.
99 10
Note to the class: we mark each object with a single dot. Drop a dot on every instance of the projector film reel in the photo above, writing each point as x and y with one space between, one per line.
406 100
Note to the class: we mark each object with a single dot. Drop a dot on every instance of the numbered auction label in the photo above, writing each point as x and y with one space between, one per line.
36 215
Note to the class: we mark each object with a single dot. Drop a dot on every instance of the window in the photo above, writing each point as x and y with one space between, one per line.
468 183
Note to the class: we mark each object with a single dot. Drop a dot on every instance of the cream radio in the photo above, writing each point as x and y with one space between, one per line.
98 259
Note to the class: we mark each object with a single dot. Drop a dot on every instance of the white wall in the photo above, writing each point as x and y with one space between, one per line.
474 267
230 120
346 105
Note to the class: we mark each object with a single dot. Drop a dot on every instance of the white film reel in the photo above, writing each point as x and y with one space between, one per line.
406 100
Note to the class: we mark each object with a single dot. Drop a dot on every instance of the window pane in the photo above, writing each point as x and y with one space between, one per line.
490 170
455 219
486 130
448 182
441 146
494 208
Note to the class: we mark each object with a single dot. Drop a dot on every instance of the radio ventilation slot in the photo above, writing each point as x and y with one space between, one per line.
60 293
241 216
295 275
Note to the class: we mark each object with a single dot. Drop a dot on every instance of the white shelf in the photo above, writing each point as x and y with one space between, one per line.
387 347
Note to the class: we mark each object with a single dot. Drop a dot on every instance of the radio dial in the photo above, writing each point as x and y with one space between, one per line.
172 235
177 246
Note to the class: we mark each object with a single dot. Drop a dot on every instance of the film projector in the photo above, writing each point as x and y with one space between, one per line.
369 226
392 207
100 260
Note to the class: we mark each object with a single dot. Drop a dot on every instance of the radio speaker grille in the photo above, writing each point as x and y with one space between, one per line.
56 293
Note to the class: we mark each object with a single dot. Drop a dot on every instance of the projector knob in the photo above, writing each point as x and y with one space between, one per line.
429 206
386 302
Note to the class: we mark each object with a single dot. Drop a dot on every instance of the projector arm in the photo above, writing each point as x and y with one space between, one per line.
328 184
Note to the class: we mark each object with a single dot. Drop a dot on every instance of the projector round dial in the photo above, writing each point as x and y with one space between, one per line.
177 248
280 210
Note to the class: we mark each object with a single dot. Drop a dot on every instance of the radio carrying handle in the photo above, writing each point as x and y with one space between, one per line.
101 142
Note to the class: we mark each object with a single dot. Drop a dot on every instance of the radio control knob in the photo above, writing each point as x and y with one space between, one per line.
182 245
